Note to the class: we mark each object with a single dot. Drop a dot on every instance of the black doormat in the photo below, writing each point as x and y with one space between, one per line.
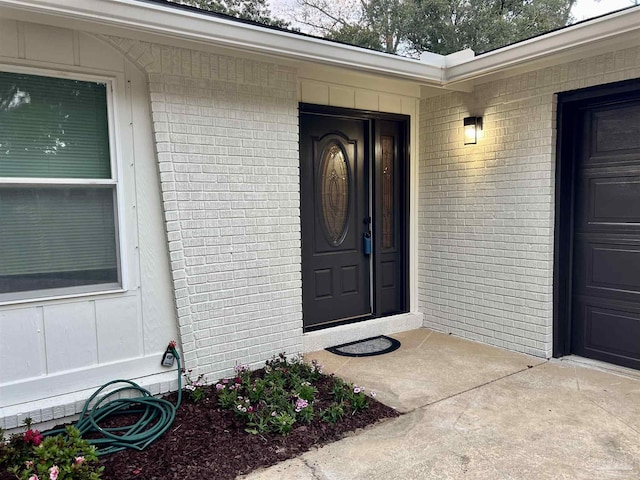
367 347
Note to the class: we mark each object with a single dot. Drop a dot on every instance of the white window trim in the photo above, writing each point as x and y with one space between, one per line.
115 90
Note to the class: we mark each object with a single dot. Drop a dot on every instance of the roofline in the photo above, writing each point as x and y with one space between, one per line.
537 48
168 21
453 71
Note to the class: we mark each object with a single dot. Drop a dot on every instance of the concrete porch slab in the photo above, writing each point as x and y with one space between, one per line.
552 421
454 365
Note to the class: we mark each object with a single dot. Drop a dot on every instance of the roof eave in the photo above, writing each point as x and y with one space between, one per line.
544 47
456 72
182 24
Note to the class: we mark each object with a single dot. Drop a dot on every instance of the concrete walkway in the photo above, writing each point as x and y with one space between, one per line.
478 412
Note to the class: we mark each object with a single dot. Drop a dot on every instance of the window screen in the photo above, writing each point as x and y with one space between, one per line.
53 128
55 234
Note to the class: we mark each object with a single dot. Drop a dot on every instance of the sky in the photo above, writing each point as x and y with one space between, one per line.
582 10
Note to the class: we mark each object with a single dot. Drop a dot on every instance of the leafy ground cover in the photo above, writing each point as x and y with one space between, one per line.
253 420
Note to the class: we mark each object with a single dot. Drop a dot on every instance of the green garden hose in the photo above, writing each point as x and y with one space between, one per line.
156 415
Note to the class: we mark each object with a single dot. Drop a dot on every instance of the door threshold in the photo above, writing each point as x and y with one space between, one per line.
339 334
599 365
337 323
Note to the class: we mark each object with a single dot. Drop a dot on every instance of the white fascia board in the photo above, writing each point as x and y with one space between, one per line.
536 49
457 71
183 24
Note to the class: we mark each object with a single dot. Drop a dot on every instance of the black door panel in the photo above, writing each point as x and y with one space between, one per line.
607 200
607 330
353 171
334 200
390 217
607 266
606 236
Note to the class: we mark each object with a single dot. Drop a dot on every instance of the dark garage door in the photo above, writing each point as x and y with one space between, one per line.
605 286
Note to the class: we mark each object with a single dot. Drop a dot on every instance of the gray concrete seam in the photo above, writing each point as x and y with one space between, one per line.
529 367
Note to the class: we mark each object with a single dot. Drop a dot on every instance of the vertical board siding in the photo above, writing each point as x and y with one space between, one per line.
391 103
157 304
314 92
349 95
118 328
367 101
487 210
8 38
342 96
63 346
48 44
70 336
20 355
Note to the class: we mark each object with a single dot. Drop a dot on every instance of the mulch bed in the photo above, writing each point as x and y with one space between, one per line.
207 442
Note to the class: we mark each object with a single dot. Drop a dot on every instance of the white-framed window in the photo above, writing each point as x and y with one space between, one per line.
59 229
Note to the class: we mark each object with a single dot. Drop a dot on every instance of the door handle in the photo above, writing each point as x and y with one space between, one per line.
366 243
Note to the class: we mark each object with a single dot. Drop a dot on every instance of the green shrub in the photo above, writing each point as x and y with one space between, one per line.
196 389
66 456
283 395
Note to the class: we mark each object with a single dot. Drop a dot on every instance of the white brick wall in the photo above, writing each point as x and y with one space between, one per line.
487 210
226 132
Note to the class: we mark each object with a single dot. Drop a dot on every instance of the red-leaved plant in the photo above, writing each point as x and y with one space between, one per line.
66 456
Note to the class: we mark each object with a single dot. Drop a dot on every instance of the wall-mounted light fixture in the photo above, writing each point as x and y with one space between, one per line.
472 130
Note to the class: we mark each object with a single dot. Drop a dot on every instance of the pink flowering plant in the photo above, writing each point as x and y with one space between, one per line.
19 445
283 394
30 456
196 389
350 396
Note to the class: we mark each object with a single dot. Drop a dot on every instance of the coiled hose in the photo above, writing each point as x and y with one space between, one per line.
156 415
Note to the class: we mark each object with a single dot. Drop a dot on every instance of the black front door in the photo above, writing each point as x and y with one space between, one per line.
353 211
605 267
335 212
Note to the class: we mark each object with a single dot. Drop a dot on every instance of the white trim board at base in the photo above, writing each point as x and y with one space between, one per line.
329 337
29 392
48 412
